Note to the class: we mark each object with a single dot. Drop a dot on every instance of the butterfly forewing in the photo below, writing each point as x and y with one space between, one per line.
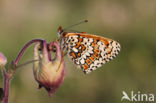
88 51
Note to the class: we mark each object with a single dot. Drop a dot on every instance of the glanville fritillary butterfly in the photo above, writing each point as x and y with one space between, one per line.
88 51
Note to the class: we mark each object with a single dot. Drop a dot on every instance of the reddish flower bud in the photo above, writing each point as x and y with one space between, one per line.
3 60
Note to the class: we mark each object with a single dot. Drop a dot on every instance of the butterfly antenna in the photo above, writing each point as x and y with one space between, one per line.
84 21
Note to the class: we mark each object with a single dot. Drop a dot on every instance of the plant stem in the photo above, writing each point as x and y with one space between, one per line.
8 75
6 86
24 48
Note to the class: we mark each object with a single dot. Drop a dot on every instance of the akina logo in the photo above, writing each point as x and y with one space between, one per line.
138 96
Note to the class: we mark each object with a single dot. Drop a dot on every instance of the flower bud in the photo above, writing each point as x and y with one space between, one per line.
3 59
47 72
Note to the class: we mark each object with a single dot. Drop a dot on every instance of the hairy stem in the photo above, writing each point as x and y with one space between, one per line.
6 86
24 48
8 75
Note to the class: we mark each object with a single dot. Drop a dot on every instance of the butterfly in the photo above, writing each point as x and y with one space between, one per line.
88 51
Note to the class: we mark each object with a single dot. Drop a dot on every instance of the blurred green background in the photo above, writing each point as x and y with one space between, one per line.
130 22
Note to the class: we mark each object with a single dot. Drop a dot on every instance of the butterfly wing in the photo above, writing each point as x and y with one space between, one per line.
89 51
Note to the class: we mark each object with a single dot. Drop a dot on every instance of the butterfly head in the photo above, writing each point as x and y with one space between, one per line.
61 32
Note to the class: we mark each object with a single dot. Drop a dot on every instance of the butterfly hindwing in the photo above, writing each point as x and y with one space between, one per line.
88 51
